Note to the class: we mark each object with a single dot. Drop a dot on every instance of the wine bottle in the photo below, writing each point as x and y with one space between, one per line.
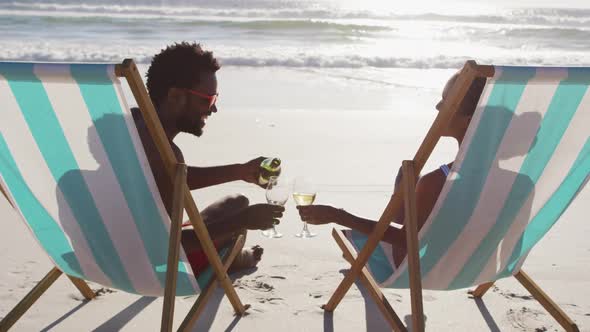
269 167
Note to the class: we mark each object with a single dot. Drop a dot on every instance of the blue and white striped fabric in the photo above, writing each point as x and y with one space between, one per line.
524 158
75 169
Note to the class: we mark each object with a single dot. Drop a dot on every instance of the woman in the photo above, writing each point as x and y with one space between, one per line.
428 187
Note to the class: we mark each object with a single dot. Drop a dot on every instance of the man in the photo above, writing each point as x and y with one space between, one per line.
182 84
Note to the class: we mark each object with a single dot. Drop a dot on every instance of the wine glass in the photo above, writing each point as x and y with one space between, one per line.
277 193
304 193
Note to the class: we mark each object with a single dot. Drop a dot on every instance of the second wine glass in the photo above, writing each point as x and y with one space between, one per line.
277 193
304 193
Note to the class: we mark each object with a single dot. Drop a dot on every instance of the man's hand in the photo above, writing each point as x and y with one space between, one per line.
319 214
260 216
250 171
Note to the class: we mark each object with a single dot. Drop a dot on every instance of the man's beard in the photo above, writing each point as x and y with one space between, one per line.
191 125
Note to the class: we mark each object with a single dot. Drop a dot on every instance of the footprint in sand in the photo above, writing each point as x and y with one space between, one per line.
290 266
398 297
428 298
316 295
522 297
252 284
525 318
103 291
510 295
271 300
98 292
329 275
391 295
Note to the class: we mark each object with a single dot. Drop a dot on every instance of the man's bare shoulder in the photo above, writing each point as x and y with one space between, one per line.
177 153
140 124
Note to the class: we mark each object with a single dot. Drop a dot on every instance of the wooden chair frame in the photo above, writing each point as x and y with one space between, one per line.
182 199
406 196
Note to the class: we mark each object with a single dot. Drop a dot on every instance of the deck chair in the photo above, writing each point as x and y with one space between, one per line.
525 156
73 167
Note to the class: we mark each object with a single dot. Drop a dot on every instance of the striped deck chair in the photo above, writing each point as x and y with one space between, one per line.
525 156
73 167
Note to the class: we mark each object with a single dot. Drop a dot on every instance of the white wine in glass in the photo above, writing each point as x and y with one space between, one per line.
277 193
303 198
304 193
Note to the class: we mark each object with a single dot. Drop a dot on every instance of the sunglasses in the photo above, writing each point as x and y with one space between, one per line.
212 99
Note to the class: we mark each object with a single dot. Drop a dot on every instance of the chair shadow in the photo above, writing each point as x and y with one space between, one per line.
408 322
118 321
205 320
233 323
64 316
486 315
328 321
373 316
375 322
121 319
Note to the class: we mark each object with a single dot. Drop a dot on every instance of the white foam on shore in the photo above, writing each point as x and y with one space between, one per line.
296 34
272 56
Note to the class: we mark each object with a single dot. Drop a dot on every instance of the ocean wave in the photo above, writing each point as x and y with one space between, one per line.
143 55
434 62
512 36
212 22
275 25
298 10
518 17
251 11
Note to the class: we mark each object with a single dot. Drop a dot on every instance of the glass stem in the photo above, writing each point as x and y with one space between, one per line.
305 227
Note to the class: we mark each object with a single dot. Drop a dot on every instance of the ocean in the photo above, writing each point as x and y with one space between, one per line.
298 33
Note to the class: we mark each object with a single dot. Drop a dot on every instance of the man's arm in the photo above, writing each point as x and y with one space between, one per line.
201 177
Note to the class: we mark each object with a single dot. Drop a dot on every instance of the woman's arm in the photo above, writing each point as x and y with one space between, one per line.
324 214
427 190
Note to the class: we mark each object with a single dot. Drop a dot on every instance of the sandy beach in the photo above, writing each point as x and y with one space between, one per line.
348 134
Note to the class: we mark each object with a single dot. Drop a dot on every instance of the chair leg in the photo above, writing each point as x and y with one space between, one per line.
555 311
83 287
411 227
480 290
203 298
15 314
364 255
370 283
173 248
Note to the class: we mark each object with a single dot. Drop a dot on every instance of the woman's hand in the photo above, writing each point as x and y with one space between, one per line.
320 214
